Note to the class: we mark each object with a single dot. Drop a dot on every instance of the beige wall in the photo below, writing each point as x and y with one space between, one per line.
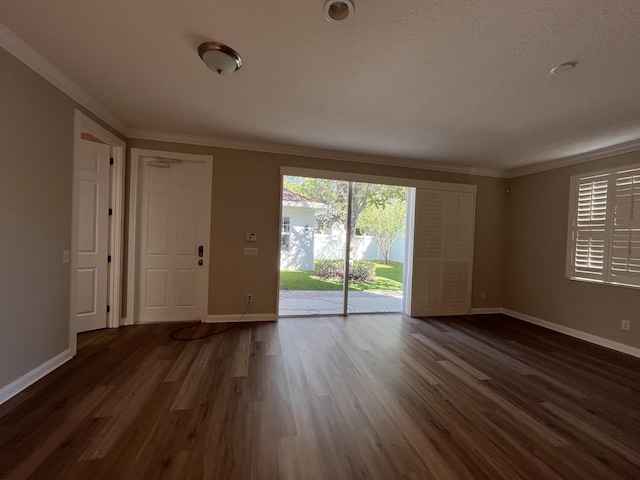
246 197
36 142
36 161
535 283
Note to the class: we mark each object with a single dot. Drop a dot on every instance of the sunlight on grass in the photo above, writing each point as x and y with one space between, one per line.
388 277
300 280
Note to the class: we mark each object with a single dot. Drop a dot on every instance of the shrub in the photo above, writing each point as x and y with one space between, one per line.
361 270
329 269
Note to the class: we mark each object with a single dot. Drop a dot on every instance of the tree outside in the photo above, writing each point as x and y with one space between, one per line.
384 223
335 195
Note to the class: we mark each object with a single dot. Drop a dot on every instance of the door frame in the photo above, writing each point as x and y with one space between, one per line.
414 183
410 184
134 205
83 124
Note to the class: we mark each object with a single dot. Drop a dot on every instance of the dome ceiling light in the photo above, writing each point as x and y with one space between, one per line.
219 58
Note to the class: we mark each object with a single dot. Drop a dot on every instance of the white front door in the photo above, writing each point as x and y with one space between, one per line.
173 247
93 239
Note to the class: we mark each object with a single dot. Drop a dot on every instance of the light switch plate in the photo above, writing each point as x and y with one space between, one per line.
65 256
251 237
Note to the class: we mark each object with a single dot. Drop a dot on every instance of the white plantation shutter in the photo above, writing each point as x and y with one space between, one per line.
590 227
443 252
604 240
625 242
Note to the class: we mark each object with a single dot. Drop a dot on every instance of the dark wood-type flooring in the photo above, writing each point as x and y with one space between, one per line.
371 397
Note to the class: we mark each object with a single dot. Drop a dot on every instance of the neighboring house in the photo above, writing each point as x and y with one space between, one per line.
298 220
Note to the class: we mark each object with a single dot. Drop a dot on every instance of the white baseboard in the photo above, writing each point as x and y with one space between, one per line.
28 379
253 317
485 311
572 332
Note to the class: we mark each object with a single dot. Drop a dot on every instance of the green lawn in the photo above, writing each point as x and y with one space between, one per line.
388 277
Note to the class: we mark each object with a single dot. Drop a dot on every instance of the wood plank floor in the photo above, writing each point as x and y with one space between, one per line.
372 397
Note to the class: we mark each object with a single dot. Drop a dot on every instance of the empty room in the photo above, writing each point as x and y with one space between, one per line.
333 239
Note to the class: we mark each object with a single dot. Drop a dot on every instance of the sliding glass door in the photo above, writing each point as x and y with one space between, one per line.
342 247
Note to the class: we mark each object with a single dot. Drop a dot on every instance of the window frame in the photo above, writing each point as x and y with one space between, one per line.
612 225
285 234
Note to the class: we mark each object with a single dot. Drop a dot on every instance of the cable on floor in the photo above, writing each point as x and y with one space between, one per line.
179 329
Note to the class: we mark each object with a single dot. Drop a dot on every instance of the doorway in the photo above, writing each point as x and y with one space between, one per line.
169 225
97 228
342 247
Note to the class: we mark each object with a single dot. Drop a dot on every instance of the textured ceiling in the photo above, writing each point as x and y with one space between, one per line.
455 82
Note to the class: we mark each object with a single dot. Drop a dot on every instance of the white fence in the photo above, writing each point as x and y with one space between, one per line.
300 249
364 247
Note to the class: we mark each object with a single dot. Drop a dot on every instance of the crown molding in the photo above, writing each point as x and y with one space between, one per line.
17 47
610 151
310 152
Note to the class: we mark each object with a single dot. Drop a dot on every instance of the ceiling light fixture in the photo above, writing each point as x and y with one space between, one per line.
563 68
219 58
338 11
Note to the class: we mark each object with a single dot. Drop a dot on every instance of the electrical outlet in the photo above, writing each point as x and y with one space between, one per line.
65 256
625 324
249 297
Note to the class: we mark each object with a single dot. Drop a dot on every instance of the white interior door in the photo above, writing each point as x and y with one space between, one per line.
93 239
173 247
442 253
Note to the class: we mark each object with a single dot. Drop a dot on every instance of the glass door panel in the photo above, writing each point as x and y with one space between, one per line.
377 248
313 246
332 230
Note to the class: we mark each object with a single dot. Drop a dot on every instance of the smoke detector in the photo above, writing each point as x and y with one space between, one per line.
338 11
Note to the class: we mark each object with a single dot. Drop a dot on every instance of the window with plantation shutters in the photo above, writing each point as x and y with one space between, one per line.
604 236
590 227
625 238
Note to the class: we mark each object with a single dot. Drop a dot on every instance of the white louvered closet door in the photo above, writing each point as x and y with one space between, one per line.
443 253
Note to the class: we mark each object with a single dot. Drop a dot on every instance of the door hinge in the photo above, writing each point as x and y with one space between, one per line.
110 212
111 161
108 258
108 308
